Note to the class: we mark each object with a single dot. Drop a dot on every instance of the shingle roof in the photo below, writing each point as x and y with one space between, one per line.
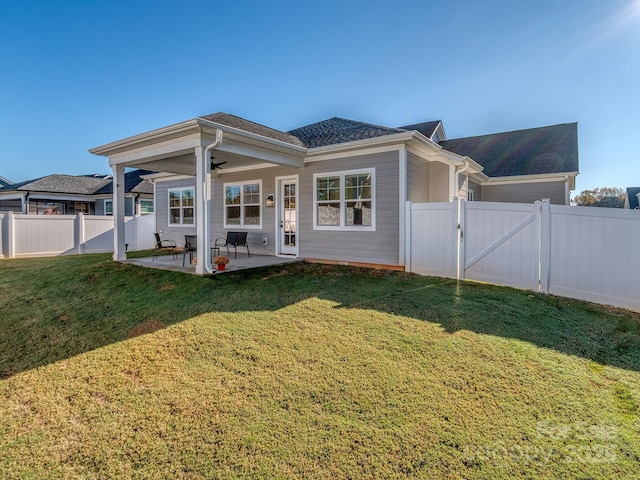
425 128
4 182
552 149
252 127
339 130
133 183
83 184
632 195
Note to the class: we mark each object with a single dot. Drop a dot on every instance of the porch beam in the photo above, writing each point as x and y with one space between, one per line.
278 158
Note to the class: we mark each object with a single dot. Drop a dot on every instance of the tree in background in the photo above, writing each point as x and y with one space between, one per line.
612 197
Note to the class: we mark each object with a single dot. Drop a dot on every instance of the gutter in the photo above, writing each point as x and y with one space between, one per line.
206 208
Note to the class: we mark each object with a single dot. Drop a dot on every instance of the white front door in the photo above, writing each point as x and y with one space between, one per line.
288 216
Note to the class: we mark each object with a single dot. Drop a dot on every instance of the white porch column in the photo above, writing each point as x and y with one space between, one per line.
118 213
202 223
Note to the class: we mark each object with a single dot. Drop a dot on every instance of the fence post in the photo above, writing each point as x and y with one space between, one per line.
545 242
462 210
407 237
80 232
10 235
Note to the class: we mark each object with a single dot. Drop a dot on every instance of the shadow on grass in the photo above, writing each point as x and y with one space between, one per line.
56 308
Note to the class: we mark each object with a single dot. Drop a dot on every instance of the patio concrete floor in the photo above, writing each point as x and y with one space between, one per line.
243 262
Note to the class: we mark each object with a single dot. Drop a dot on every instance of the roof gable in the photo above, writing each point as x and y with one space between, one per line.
535 151
339 130
252 127
425 128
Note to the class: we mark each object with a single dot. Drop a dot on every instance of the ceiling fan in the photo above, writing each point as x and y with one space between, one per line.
216 166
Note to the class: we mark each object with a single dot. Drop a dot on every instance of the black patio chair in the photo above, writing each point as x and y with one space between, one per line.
235 240
190 246
163 245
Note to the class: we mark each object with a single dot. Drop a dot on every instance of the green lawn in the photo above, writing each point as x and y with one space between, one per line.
307 371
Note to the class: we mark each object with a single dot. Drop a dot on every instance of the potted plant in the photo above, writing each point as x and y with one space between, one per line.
220 261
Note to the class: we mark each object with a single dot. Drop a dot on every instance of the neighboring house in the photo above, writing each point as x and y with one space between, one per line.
4 182
334 190
633 198
71 194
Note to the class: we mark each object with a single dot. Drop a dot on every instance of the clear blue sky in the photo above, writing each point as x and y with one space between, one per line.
78 74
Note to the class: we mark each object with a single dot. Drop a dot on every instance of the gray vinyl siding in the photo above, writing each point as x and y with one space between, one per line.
417 179
379 247
14 206
175 233
438 182
525 192
268 230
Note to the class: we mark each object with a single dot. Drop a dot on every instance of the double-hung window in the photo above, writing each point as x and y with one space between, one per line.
242 205
108 207
181 206
344 200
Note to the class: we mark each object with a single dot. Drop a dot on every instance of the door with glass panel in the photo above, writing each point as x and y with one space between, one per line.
288 216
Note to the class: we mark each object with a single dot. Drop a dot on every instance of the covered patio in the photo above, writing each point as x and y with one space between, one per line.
243 262
187 149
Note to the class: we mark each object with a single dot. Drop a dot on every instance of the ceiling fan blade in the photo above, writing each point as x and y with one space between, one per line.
215 166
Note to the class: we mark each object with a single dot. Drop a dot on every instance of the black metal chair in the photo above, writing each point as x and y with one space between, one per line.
235 240
163 245
190 246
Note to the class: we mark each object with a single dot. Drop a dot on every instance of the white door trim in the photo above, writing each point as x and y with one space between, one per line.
278 207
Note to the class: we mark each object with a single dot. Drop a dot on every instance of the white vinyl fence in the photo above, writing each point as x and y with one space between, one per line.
580 252
24 235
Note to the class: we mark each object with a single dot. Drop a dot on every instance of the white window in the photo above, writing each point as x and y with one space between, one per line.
470 195
242 204
181 206
344 200
108 207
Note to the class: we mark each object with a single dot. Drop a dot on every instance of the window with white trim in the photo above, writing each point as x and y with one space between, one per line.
146 207
242 204
108 207
470 195
344 200
181 206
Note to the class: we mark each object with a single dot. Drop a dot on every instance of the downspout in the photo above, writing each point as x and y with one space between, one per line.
25 203
206 241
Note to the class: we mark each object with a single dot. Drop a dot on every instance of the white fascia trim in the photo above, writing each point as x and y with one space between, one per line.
61 196
544 177
190 126
12 195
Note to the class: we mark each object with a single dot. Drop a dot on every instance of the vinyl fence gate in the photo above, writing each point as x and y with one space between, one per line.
581 252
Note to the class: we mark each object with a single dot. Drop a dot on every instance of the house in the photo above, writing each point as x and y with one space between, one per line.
71 194
4 182
335 190
632 199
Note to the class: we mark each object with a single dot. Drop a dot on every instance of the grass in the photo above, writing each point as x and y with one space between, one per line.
109 370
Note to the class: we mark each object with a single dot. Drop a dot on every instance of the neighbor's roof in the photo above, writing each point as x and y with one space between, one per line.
552 149
632 195
83 184
4 182
252 127
133 183
339 130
